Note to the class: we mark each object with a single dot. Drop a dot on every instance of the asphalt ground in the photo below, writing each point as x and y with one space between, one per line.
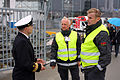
112 73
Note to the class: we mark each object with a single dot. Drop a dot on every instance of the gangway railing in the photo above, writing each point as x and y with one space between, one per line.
8 32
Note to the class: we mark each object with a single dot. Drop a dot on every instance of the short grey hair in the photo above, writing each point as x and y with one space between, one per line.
65 18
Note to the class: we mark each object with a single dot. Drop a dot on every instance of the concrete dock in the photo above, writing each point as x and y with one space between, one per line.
113 72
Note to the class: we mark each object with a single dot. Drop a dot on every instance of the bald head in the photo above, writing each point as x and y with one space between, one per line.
65 22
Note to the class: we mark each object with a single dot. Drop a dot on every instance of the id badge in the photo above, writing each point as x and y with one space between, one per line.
67 39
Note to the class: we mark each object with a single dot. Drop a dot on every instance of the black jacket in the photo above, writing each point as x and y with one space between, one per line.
105 50
117 38
23 54
112 32
54 49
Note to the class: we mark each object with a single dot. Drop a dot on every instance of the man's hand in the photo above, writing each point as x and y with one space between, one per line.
78 63
42 67
40 61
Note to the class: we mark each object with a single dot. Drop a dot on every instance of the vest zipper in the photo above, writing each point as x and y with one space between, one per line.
68 50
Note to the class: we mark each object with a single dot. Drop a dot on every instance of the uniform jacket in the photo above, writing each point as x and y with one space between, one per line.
102 42
54 49
23 54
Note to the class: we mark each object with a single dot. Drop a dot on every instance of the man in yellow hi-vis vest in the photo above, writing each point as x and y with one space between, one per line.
96 49
65 51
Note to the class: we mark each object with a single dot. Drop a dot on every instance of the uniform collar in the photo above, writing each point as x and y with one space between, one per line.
24 35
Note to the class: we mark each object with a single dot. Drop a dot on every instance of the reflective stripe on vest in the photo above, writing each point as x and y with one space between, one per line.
64 53
89 52
89 61
68 64
63 50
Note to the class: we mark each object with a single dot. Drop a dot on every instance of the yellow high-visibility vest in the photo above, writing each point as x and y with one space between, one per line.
89 52
63 53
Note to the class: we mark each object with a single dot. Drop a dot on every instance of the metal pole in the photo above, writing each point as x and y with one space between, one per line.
6 38
97 4
111 5
45 29
5 3
2 36
80 7
106 5
118 4
62 7
72 7
51 9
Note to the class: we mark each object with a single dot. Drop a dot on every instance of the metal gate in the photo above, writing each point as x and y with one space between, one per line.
8 33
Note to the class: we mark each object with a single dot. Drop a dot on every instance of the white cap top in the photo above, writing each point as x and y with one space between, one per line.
23 21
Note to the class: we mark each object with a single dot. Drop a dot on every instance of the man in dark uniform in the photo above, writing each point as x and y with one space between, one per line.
65 51
95 50
25 63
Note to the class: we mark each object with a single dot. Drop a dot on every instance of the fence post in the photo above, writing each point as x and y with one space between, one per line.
45 15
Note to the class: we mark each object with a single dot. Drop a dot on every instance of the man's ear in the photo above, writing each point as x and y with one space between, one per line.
25 28
69 25
98 18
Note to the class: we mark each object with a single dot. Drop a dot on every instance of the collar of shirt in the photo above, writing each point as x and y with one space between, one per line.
24 34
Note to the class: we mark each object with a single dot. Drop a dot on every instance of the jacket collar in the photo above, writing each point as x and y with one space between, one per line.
89 29
66 32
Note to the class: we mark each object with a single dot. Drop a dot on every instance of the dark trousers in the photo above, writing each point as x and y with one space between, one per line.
63 72
94 74
116 49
